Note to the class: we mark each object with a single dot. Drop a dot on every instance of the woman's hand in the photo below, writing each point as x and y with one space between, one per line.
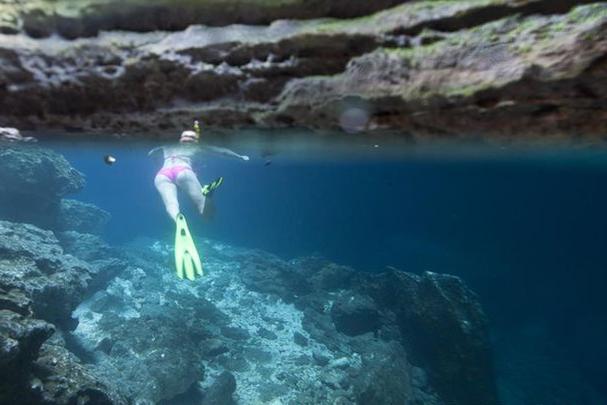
244 157
154 150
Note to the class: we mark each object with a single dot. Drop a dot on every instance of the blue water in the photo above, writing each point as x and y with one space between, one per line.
526 229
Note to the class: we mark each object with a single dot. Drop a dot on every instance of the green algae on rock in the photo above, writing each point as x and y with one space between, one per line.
468 79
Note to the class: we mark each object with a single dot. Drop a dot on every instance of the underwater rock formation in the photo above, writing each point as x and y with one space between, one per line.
83 322
32 182
450 335
435 317
256 328
81 217
495 67
39 288
37 173
279 342
48 281
62 378
20 341
104 262
42 280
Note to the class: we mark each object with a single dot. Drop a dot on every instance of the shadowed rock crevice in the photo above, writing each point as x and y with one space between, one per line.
21 339
86 18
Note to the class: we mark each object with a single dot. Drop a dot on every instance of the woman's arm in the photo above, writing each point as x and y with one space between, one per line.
227 152
150 153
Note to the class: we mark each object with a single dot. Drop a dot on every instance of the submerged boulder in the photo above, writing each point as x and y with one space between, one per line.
104 261
444 330
40 286
34 264
220 392
386 376
354 314
86 246
32 182
20 340
59 377
82 217
435 317
254 328
148 335
38 173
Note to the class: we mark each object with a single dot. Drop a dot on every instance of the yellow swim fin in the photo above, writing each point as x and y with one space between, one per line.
187 260
207 189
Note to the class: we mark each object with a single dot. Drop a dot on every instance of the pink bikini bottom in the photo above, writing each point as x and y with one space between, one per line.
172 172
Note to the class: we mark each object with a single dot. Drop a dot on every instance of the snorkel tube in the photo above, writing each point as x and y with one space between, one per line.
197 130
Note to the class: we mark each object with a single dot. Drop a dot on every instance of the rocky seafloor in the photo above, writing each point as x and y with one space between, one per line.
84 322
513 68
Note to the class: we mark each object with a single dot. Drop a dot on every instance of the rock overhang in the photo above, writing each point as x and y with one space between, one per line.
423 68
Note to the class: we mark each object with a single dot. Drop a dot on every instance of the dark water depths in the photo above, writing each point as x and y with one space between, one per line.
526 229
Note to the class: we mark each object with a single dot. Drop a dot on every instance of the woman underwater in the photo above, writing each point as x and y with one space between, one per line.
177 173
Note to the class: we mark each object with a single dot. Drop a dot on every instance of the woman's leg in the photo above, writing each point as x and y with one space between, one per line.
168 192
188 182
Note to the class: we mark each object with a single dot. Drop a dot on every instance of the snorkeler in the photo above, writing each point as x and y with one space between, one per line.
177 173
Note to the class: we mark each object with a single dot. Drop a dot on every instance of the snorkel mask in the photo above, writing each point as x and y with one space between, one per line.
191 136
